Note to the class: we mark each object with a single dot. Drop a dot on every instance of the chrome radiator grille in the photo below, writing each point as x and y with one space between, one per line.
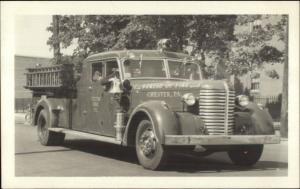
216 108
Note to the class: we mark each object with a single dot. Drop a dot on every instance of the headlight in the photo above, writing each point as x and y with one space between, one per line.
189 99
242 100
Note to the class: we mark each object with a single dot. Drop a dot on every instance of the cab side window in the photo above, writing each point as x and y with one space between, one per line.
111 68
97 71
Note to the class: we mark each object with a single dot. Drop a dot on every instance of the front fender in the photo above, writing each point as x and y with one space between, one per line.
190 124
258 121
162 117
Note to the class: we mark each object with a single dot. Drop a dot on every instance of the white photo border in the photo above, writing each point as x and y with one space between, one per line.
10 9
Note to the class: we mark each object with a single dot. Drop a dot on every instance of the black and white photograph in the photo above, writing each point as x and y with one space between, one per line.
153 94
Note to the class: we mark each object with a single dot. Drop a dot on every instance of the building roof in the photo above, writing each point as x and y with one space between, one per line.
138 53
32 56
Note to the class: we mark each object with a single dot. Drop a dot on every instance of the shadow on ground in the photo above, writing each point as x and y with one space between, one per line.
205 164
177 163
112 151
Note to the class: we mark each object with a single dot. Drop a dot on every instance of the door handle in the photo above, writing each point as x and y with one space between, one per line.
90 88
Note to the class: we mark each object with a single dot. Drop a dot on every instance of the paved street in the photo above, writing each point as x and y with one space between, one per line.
83 157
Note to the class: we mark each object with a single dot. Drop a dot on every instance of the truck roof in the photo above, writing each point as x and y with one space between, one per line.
137 53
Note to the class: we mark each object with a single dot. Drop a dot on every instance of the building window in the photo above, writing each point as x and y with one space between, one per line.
255 82
255 86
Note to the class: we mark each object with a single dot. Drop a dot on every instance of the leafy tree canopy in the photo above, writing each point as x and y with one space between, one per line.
240 42
254 48
98 33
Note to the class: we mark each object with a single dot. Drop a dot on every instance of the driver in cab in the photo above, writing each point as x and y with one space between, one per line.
112 81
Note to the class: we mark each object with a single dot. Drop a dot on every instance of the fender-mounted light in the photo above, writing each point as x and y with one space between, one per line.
243 100
189 99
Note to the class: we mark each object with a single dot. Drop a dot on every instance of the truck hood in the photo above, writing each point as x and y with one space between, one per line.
150 85
170 91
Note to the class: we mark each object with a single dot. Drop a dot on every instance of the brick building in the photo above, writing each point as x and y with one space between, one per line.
22 95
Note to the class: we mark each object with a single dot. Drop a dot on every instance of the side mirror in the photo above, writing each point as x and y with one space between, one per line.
126 85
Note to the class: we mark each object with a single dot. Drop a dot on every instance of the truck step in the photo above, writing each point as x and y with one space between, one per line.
86 135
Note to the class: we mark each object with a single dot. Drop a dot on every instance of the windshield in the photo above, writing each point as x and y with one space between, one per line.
157 69
184 70
144 68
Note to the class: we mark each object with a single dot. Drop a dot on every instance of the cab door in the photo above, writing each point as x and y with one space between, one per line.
101 104
94 93
107 104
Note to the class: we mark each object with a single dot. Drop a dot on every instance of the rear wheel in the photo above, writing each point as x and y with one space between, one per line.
150 152
46 137
246 155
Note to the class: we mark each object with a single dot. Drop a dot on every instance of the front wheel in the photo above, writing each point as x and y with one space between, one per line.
46 137
246 155
150 152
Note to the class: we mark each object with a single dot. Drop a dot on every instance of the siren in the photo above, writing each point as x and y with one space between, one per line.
164 44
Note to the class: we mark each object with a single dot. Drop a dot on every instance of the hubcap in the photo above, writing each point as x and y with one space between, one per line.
147 142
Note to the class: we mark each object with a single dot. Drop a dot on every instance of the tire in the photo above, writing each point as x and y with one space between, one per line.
246 155
46 137
154 156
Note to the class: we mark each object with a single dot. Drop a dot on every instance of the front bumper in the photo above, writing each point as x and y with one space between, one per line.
221 140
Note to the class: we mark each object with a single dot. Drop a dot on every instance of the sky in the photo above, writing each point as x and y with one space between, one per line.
31 36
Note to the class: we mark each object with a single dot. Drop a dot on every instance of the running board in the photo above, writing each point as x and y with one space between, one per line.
86 135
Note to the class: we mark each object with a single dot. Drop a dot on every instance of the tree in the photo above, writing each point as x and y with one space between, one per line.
212 34
136 34
283 33
253 50
208 34
97 33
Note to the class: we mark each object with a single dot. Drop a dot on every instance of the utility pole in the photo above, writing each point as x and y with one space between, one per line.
56 46
284 103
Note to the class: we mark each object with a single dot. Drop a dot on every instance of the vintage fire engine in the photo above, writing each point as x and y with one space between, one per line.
154 100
